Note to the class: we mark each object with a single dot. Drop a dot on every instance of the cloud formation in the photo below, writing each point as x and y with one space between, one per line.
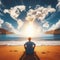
8 26
20 23
55 26
15 11
58 6
1 22
39 13
46 25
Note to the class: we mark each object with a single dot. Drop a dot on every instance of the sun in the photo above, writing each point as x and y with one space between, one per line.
30 29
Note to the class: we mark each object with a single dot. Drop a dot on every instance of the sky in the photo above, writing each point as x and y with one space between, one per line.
16 14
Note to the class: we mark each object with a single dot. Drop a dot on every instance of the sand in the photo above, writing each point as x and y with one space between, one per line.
43 52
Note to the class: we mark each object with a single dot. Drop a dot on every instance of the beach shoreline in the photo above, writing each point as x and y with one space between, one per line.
38 43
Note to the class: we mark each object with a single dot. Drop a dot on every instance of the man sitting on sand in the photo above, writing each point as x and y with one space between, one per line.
29 47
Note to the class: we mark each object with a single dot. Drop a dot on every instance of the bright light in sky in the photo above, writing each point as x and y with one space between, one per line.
30 30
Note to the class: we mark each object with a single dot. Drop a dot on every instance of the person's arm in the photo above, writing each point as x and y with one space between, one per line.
34 45
25 46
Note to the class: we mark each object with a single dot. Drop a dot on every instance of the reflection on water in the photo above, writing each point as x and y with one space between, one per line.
18 37
17 40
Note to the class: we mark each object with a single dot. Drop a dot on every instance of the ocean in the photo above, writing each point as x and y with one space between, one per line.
45 39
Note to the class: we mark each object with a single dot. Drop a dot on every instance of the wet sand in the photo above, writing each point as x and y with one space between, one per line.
43 52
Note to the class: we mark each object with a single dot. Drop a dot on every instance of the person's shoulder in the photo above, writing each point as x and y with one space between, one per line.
32 42
26 42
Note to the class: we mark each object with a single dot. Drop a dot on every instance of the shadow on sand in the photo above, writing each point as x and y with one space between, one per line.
29 57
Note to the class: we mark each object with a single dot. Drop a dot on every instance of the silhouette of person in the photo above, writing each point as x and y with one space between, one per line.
29 53
29 46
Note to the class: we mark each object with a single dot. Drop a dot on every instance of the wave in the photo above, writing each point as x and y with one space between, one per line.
38 43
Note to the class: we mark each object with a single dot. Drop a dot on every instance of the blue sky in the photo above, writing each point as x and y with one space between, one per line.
14 20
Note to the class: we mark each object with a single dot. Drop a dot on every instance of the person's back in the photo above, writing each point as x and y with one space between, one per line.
29 47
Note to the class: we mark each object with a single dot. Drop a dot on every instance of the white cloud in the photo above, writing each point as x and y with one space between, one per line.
20 23
15 11
58 6
8 26
46 25
30 18
55 26
39 13
30 7
1 22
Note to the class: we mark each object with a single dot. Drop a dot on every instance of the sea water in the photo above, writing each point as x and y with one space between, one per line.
45 39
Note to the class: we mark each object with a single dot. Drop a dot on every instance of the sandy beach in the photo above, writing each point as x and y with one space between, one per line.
43 52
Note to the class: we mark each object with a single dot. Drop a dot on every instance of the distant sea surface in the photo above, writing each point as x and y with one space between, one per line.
45 39
11 37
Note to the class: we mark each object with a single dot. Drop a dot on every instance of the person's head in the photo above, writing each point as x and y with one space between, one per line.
29 38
